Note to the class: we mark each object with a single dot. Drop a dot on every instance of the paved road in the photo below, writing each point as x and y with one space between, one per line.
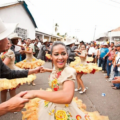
97 84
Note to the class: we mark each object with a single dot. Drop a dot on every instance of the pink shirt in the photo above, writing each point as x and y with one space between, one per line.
111 55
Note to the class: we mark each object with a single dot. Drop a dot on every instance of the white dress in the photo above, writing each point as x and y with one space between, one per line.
54 111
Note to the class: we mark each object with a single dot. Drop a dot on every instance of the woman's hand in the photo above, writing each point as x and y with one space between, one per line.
35 71
38 69
30 94
45 70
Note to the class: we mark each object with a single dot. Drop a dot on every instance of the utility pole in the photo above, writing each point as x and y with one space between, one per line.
94 32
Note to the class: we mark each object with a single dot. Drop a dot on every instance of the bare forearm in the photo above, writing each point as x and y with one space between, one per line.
48 70
3 108
31 71
60 97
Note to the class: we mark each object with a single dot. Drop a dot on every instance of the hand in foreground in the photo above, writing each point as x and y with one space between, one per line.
29 95
38 69
117 80
17 103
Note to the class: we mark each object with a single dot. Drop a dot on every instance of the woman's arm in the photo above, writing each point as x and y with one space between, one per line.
61 97
6 60
81 56
45 70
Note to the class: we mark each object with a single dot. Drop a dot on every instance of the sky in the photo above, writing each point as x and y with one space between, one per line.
84 19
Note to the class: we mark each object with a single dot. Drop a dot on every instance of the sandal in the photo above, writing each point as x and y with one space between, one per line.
81 92
77 89
33 84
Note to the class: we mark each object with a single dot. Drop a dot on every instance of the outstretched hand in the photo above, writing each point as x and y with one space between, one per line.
17 102
38 69
43 70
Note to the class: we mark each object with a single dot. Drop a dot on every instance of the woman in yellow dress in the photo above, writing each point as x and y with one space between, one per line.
8 58
57 104
83 56
30 62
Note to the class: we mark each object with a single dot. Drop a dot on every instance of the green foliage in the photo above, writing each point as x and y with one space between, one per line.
58 34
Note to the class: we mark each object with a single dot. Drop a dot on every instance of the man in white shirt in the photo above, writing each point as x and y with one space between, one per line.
18 48
32 46
91 50
38 42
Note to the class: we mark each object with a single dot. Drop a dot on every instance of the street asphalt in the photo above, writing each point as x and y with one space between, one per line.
96 84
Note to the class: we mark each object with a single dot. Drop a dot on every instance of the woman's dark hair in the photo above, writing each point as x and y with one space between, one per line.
57 43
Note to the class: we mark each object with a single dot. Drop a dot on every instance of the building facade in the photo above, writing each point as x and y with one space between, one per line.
18 12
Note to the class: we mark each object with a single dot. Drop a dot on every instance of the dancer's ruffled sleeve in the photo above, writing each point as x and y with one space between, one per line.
68 74
10 54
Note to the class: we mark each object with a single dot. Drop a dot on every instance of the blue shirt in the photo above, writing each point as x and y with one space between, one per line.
103 52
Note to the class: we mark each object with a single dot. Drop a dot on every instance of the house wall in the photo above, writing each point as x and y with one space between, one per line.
46 37
17 14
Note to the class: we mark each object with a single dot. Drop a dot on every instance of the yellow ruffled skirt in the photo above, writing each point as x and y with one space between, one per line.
85 67
30 65
14 83
32 111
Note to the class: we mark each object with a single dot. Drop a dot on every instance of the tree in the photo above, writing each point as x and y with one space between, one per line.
56 27
58 34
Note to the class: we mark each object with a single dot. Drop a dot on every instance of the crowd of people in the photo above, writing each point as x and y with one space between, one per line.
104 54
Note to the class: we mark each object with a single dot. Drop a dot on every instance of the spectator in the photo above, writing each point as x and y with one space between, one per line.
74 47
96 53
39 44
111 55
14 39
117 67
32 46
112 67
71 54
43 50
51 43
91 50
102 56
111 46
36 50
88 47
